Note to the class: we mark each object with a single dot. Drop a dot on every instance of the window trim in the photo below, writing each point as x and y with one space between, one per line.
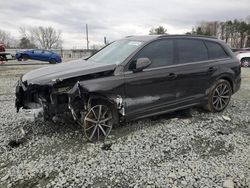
175 60
179 65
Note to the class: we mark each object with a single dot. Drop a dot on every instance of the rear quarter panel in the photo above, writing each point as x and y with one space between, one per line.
230 70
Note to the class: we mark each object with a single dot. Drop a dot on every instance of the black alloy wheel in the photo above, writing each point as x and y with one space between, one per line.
219 96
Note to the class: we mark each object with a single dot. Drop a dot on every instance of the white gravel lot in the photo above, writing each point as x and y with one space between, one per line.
203 150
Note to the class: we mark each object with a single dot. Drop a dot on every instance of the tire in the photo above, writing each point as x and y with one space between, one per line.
219 96
245 62
99 121
52 61
25 57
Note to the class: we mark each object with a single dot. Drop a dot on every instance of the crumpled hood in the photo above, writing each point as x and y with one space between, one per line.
65 70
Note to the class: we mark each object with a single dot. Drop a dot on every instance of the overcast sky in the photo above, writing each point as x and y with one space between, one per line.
115 18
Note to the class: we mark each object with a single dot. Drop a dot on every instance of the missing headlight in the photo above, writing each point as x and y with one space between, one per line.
63 89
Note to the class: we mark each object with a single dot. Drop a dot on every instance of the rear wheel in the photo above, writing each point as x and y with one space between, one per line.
99 121
52 61
219 96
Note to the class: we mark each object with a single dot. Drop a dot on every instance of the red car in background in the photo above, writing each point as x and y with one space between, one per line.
4 56
2 47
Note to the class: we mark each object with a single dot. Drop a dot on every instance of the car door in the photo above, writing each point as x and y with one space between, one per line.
37 55
47 55
195 72
155 87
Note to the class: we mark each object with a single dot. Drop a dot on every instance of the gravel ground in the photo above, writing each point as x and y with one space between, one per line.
191 149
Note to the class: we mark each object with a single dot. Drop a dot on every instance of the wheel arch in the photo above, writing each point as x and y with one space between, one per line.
93 98
97 96
227 78
88 97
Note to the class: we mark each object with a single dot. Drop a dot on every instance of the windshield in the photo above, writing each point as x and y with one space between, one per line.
116 52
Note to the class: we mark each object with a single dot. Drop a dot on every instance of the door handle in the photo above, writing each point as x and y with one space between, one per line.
172 76
211 69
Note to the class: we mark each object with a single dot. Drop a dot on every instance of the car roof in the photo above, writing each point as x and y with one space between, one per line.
146 38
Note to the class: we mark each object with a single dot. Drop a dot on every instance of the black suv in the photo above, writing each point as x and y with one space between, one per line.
132 78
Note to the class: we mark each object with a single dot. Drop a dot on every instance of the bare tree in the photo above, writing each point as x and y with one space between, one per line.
7 39
4 37
44 37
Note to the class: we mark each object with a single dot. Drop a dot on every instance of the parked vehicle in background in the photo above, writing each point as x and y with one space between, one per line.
2 47
240 50
2 53
5 56
133 78
244 59
41 55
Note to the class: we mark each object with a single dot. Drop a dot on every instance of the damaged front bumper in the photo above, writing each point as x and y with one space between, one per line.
73 101
26 97
53 101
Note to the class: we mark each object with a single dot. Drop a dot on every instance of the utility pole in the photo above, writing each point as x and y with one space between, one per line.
105 40
87 36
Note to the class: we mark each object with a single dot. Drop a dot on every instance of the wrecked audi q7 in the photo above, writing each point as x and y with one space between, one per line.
133 78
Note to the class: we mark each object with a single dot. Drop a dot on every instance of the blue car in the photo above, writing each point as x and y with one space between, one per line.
41 55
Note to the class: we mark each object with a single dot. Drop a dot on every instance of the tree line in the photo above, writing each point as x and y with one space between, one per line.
33 37
235 33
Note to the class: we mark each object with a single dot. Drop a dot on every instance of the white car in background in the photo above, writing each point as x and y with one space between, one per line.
244 59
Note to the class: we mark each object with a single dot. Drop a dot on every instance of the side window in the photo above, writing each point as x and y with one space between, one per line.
160 53
191 50
38 51
215 50
47 52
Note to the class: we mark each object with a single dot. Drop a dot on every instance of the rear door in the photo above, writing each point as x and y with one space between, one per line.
195 72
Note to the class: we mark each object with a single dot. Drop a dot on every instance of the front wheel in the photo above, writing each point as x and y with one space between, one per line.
25 57
219 96
98 122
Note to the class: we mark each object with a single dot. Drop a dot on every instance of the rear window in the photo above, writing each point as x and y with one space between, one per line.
215 51
191 50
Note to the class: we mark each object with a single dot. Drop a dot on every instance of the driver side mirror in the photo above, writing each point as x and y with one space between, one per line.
140 64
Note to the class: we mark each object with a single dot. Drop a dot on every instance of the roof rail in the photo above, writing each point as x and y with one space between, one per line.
204 36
